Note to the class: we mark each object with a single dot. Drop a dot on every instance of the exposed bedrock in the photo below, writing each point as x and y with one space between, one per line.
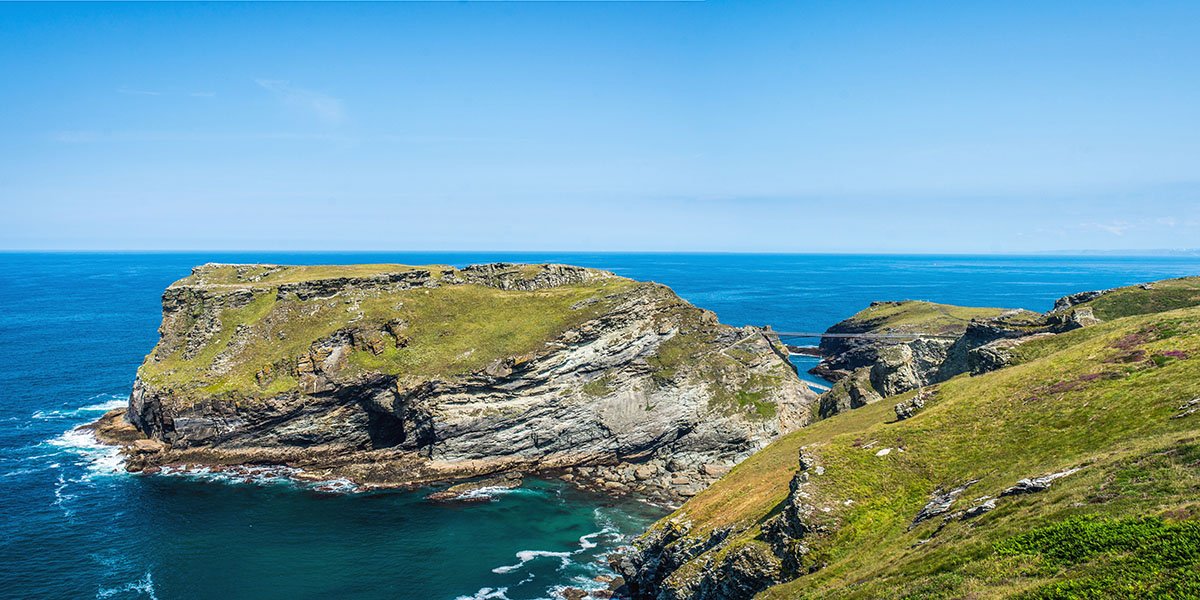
958 340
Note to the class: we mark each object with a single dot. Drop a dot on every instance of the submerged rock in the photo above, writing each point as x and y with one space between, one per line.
471 490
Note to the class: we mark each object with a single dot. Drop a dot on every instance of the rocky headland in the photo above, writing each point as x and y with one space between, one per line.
1024 455
956 340
391 375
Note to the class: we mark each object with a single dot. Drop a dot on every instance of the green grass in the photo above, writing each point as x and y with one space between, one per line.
273 275
750 397
427 333
675 353
598 387
1095 398
929 317
1161 296
458 329
1113 558
452 329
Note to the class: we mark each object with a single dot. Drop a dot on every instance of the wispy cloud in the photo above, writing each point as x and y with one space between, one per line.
1114 227
95 136
323 106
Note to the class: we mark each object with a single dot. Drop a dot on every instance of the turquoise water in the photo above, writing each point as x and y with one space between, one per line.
73 328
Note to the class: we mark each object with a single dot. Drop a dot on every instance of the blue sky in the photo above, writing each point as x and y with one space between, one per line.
698 126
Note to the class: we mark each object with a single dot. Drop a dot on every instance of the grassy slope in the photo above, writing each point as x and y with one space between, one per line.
452 329
1162 296
1101 396
929 317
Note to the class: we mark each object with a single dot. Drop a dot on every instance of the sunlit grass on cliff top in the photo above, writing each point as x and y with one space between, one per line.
927 316
452 330
449 329
425 333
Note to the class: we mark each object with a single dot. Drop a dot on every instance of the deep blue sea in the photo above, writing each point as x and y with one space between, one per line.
74 327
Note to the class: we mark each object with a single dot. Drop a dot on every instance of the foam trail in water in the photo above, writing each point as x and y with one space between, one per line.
114 401
60 497
261 475
143 586
485 493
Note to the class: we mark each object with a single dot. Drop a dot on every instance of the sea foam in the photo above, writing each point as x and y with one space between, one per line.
97 458
143 586
527 555
487 593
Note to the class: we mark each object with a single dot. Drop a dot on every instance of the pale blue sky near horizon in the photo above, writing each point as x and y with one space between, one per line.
609 126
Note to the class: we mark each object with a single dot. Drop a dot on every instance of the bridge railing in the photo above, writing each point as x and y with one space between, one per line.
863 336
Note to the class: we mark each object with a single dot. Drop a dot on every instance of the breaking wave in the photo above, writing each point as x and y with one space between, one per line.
97 458
111 402
527 555
261 475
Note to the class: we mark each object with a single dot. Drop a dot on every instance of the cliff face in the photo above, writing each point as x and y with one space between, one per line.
869 369
969 340
1085 440
388 375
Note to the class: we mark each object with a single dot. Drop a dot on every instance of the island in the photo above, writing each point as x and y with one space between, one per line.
394 375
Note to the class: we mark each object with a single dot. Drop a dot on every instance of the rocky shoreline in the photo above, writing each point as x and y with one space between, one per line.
663 482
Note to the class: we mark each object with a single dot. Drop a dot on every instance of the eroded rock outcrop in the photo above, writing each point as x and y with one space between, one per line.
946 341
849 393
652 569
392 375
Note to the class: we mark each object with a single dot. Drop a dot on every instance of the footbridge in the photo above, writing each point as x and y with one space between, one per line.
863 336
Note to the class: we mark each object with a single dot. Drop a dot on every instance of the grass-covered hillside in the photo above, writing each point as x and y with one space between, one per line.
1147 298
240 329
1116 405
918 315
246 332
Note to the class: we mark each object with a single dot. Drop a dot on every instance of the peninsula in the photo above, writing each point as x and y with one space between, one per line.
393 375
1029 455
